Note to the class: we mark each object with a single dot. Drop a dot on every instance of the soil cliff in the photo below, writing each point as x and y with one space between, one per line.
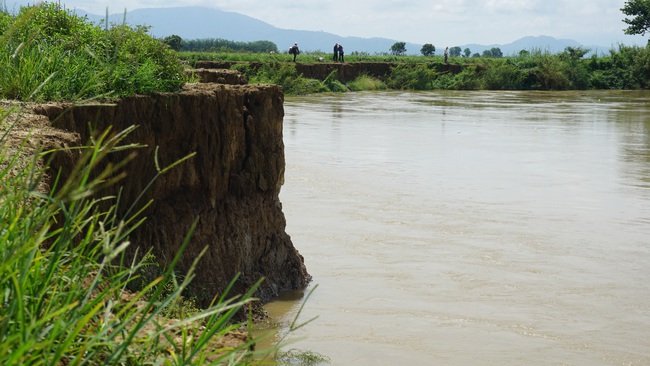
231 186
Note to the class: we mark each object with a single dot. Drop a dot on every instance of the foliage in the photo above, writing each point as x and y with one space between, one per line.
64 274
365 82
140 64
48 53
398 48
624 68
454 51
302 358
493 52
428 49
332 84
174 42
638 12
417 77
222 45
467 52
285 75
574 53
192 57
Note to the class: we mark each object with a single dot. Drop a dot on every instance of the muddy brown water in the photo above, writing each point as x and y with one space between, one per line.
471 228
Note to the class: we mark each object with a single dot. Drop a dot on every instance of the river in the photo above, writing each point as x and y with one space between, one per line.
471 228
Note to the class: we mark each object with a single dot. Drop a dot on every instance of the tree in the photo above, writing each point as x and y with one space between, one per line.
496 52
428 49
174 42
493 52
467 52
399 48
639 13
574 53
454 51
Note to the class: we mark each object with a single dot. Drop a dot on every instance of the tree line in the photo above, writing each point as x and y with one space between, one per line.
218 45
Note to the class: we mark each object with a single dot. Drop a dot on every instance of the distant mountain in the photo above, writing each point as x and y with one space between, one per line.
203 23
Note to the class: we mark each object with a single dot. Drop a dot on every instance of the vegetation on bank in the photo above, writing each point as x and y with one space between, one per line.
48 54
627 67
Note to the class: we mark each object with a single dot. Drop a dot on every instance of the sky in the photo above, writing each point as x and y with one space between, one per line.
453 22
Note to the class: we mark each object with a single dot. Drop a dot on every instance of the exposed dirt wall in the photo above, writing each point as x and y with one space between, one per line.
231 186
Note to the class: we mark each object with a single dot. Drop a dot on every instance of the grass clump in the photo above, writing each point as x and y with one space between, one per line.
302 358
365 82
48 53
64 277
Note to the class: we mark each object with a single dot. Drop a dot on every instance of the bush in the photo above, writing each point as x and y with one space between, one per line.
334 85
365 82
415 77
48 53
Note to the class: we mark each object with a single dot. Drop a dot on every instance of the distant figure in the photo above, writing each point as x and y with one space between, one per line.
341 53
446 54
336 52
294 51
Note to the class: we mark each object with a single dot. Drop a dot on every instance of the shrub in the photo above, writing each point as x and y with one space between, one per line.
48 53
334 85
415 77
365 82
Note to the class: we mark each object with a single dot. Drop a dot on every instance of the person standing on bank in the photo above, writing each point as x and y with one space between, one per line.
294 51
446 54
336 52
341 53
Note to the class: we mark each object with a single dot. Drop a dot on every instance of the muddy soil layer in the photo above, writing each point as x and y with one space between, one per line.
231 187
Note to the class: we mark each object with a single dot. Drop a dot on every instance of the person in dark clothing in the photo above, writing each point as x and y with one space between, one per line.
294 51
336 52
341 53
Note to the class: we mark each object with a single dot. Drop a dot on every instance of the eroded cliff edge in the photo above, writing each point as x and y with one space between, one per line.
232 185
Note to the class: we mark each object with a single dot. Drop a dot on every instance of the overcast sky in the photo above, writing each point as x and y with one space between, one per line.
449 22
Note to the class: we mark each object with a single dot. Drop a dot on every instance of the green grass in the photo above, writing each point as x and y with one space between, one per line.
625 67
365 82
302 358
48 54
